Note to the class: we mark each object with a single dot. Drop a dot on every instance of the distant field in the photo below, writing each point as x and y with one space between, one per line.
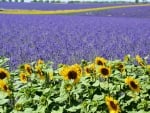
68 11
53 6
135 12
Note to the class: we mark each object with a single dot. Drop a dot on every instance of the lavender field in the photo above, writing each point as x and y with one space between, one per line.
54 6
91 62
70 38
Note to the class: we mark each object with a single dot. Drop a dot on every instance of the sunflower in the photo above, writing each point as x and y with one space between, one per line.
100 61
72 72
139 60
89 69
68 87
112 105
40 72
23 77
120 67
40 61
148 69
50 74
104 71
4 74
133 84
4 87
28 69
18 107
126 58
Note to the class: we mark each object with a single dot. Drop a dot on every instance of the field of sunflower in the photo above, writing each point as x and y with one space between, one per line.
98 86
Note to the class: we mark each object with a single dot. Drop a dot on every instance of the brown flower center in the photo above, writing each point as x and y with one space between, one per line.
88 70
24 77
2 75
99 62
29 70
104 71
72 75
132 83
5 87
113 105
120 66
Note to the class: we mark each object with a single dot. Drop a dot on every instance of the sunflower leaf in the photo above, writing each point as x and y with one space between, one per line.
96 84
98 97
61 99
74 108
3 101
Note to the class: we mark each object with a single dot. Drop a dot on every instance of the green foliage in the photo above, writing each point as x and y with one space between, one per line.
56 95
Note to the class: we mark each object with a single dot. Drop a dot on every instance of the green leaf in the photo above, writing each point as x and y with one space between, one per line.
96 84
61 99
74 108
3 95
3 101
28 110
93 109
41 109
98 97
60 110
3 60
46 90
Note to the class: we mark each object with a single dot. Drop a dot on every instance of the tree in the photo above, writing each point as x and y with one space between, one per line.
40 0
10 1
136 1
16 0
47 1
3 0
22 0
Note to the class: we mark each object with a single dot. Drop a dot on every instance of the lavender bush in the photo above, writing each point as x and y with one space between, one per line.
68 39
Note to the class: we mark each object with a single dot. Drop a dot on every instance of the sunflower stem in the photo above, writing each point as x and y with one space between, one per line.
69 99
12 97
108 86
99 86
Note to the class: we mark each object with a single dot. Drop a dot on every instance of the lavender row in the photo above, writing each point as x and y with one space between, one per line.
68 39
136 12
53 6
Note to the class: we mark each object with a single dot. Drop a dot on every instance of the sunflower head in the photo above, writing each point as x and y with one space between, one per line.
126 58
23 77
50 74
18 107
40 61
105 72
39 64
40 73
100 61
112 105
120 67
148 69
68 87
4 74
133 84
140 60
72 72
28 69
89 69
4 87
